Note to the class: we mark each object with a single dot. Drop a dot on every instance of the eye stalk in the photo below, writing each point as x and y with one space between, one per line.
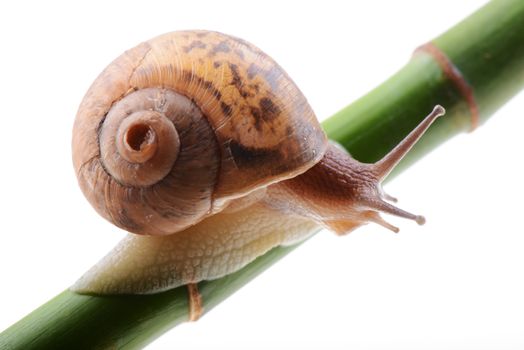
341 193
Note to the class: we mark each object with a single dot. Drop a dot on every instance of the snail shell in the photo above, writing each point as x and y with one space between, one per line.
179 125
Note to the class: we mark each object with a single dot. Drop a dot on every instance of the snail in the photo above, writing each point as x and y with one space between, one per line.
202 146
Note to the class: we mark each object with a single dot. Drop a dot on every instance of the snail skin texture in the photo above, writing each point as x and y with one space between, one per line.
201 145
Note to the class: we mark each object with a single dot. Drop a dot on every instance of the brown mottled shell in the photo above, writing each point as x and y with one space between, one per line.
263 129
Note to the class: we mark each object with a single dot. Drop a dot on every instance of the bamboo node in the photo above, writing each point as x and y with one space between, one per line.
453 73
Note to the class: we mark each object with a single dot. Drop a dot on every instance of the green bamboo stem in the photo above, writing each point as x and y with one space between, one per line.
486 47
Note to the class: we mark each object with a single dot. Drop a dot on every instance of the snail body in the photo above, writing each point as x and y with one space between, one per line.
203 146
217 246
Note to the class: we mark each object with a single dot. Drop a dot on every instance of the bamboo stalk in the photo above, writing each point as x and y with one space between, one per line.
486 48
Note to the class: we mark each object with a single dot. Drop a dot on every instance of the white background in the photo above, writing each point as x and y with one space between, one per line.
455 283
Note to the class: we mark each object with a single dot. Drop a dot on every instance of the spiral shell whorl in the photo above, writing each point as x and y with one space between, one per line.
137 140
139 143
158 163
